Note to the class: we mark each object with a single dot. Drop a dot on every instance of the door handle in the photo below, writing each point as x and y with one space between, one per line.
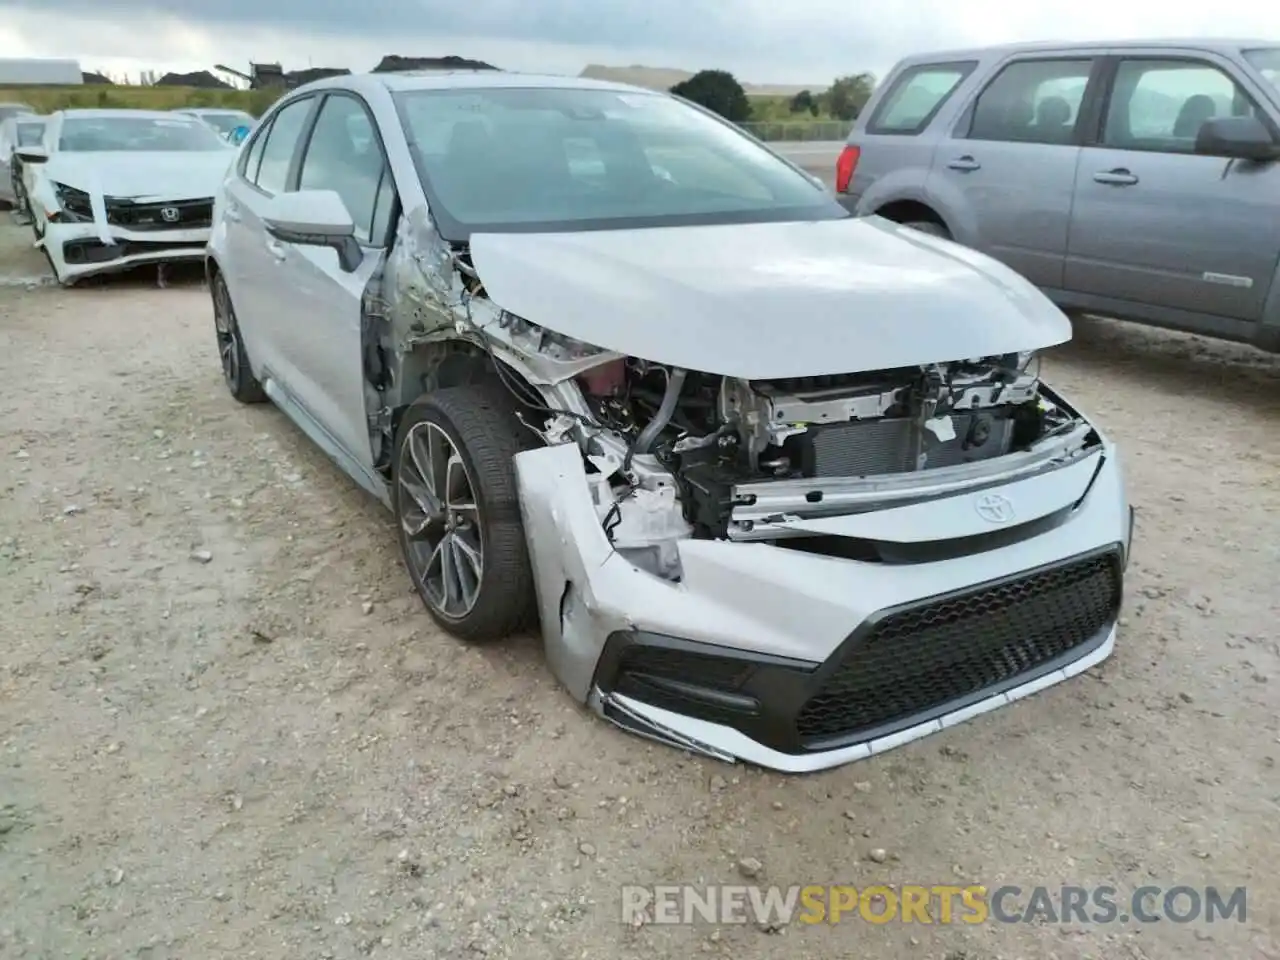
277 251
965 163
1119 177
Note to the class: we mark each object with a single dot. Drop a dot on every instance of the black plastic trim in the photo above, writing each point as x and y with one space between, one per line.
766 703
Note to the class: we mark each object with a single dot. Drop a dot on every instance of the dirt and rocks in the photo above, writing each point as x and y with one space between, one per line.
228 729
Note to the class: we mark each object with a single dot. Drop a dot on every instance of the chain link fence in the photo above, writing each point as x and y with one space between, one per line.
828 130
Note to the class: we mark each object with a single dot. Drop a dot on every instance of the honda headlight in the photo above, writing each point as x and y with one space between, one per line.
74 205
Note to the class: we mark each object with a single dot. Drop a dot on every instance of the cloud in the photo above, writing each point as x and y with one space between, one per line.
761 40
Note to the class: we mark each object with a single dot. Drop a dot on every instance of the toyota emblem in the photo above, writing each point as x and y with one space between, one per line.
170 214
994 508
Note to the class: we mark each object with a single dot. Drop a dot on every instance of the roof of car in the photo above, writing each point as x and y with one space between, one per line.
1184 43
202 111
464 79
87 113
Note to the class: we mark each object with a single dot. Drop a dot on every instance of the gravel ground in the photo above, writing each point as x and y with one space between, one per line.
227 727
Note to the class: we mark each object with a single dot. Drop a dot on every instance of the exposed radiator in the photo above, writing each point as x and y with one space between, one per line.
875 447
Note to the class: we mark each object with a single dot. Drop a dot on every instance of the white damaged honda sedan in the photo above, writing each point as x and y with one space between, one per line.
775 484
112 189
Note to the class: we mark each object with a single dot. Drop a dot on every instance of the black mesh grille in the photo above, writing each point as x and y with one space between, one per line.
919 659
178 215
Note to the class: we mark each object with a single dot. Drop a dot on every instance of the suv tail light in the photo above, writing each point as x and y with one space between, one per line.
845 166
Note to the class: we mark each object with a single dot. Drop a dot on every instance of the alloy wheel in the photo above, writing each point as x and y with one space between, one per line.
224 321
440 516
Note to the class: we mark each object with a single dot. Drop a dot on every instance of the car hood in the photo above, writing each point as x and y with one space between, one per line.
187 175
769 300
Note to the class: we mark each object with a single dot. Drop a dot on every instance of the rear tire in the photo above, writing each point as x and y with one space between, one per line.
458 512
236 372
930 227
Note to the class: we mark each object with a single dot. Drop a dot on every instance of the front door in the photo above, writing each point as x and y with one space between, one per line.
1009 166
317 304
1156 224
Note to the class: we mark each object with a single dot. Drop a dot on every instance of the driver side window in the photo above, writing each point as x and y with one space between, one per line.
344 155
1162 104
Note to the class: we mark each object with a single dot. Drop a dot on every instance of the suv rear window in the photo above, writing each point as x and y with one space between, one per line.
916 97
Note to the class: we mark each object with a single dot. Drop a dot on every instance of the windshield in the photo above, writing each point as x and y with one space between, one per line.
1267 62
553 159
224 123
115 134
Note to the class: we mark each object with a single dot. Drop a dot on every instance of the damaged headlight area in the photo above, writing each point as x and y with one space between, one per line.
74 205
674 454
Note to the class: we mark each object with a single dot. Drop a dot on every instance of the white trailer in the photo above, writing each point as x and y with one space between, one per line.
30 72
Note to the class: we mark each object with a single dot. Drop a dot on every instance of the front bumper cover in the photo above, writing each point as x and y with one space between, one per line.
788 619
78 249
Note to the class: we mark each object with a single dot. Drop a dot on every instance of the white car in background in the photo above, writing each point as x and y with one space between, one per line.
225 122
110 189
16 131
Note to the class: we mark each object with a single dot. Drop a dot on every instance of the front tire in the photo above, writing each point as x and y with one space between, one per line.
236 372
458 511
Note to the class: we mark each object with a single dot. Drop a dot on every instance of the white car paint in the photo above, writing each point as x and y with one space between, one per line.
872 295
163 178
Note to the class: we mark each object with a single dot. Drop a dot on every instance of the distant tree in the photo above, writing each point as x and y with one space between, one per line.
802 101
848 95
718 91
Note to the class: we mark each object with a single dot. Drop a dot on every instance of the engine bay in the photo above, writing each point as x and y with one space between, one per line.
673 454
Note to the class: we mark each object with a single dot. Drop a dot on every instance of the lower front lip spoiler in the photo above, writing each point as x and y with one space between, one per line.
702 736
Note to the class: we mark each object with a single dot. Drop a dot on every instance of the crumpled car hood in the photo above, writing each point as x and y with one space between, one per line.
187 175
769 300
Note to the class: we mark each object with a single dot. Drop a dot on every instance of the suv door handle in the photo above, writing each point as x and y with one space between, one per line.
965 163
1119 177
277 251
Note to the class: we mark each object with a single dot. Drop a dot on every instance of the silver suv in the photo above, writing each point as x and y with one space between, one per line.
1139 180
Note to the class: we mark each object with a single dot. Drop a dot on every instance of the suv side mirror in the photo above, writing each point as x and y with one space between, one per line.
1239 138
32 154
315 218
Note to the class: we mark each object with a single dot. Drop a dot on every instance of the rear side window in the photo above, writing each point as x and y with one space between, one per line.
281 142
1032 101
916 97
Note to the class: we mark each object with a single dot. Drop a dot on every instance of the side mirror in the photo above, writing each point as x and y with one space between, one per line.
237 135
32 154
315 218
1239 138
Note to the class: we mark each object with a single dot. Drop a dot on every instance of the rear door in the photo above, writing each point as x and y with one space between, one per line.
319 305
254 263
1008 166
1154 223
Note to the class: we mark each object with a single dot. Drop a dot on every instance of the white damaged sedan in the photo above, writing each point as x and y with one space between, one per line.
111 189
777 484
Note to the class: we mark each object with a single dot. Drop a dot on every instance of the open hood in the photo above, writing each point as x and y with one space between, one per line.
186 175
769 300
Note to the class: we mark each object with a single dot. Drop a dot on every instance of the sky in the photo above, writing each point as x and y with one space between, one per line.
760 41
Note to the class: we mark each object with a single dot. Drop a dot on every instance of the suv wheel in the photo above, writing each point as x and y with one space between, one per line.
458 512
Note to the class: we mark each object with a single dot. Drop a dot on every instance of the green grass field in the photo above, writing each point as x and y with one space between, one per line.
48 99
